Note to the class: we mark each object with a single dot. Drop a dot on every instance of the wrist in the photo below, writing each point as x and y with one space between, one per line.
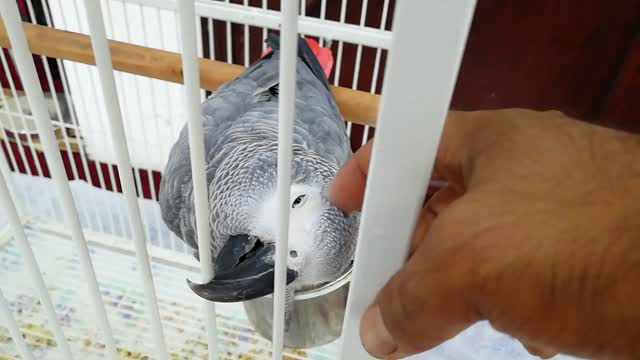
612 305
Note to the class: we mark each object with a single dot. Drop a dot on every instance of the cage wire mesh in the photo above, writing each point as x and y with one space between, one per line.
152 109
153 113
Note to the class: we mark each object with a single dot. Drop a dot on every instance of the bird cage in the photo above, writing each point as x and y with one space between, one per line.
95 95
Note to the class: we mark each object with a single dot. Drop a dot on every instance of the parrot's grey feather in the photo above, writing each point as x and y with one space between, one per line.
267 92
240 126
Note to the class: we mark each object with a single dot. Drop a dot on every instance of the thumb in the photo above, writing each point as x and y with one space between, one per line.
424 304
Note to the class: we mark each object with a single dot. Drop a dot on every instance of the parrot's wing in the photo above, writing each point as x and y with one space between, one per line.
319 123
250 101
219 113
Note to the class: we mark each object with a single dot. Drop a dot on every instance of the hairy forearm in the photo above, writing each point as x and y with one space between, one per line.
578 289
595 307
622 315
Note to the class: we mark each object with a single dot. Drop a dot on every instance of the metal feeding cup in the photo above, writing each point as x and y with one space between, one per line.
316 315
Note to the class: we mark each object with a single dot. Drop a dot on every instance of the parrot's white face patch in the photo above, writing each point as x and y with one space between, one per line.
305 209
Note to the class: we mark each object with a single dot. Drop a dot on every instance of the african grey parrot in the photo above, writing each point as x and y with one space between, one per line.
241 135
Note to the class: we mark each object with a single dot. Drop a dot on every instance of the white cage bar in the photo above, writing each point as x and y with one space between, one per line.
286 116
417 91
118 137
196 151
376 65
263 17
22 117
54 95
356 71
74 120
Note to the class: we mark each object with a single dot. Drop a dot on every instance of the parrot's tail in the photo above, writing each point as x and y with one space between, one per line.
319 59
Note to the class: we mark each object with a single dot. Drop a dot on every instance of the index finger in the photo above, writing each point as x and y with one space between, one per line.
347 188
346 191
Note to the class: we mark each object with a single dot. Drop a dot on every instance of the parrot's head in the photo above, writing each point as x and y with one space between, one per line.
321 241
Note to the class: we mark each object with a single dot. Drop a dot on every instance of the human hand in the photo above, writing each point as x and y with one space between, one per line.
537 231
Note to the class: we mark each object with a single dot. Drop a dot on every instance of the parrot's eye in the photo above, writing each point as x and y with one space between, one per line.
299 201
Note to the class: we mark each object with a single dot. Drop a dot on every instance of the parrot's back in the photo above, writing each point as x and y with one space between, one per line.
240 122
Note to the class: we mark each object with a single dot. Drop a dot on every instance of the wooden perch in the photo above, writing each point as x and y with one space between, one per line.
356 106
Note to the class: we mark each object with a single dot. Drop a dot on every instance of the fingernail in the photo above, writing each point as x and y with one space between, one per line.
375 337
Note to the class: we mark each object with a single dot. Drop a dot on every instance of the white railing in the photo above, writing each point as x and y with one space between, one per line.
428 44
418 85
118 138
286 111
254 16
196 151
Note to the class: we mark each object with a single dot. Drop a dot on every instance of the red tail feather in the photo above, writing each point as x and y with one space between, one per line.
324 55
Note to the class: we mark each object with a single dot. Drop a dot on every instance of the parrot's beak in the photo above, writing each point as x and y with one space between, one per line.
243 270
